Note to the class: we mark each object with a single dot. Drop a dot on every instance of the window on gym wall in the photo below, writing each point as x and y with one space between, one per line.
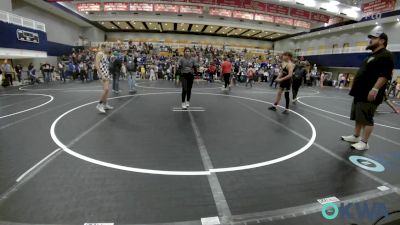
361 45
322 49
335 49
345 48
310 51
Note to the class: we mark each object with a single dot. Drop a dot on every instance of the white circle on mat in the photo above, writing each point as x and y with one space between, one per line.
184 173
174 88
26 110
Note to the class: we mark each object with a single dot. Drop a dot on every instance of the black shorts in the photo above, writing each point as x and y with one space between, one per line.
285 85
363 112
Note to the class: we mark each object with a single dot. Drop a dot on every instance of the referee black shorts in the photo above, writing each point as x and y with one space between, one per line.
363 112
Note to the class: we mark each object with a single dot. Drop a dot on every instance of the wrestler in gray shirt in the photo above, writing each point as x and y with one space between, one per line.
187 65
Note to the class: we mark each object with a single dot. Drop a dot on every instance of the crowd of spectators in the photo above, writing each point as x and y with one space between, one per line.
160 63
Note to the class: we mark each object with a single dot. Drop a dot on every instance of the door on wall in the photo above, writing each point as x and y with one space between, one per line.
346 47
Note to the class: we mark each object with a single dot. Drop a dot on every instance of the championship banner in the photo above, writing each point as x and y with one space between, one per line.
302 24
319 17
284 20
88 7
278 9
220 12
145 7
166 8
116 6
191 9
378 6
265 18
298 13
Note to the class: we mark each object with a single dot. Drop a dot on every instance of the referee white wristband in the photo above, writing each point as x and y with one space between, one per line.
375 89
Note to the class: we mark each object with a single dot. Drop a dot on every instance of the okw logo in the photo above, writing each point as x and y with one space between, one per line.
359 210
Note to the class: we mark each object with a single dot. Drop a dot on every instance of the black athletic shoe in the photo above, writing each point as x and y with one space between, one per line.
273 108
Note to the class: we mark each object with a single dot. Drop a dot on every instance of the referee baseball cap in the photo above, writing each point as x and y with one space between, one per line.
378 34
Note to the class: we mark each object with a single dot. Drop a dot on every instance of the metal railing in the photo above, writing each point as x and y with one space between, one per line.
182 45
21 21
345 50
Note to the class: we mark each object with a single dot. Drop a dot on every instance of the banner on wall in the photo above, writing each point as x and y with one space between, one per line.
191 9
18 37
265 18
210 2
298 13
86 7
141 7
377 6
116 6
230 3
242 15
284 20
256 5
319 17
220 12
278 9
166 8
335 20
302 24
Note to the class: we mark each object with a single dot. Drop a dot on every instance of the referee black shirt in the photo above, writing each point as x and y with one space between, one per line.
378 64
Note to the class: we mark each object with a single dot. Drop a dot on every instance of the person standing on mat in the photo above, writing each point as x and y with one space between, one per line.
102 66
285 81
368 89
299 75
250 75
115 68
187 65
18 71
226 68
131 67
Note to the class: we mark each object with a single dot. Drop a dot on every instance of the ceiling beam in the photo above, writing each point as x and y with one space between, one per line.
112 22
145 25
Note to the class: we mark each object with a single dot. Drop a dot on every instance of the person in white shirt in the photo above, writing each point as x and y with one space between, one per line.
152 74
61 71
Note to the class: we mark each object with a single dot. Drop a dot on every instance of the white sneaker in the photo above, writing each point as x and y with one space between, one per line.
351 139
360 146
100 107
107 106
184 105
187 104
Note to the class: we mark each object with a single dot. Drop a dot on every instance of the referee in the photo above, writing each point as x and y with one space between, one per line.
369 89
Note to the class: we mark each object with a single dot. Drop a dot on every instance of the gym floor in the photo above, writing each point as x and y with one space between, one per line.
227 159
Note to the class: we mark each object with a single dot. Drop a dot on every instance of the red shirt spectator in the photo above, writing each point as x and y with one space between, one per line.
212 69
226 67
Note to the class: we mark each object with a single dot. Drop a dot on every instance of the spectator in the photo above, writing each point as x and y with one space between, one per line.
7 70
61 71
18 71
46 69
152 74
32 74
